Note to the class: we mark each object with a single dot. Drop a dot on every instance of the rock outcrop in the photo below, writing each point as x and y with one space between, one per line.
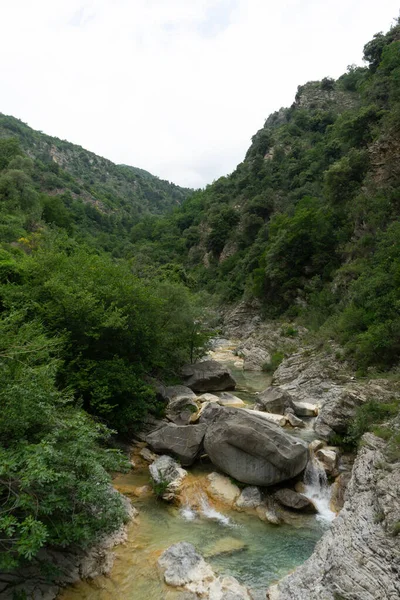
183 567
183 441
166 472
340 407
208 376
252 449
359 557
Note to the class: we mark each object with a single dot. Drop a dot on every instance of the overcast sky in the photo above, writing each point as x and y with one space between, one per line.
177 87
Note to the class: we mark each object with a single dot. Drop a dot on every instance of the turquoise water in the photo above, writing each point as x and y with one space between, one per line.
260 553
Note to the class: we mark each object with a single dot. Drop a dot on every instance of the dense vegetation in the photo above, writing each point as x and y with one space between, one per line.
86 194
308 222
81 339
101 266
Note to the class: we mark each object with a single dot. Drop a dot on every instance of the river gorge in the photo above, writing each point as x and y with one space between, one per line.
234 543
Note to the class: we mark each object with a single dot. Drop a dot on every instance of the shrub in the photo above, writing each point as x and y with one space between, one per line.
273 364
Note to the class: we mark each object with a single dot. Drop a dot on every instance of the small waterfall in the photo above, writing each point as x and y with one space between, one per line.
196 504
318 489
210 513
188 513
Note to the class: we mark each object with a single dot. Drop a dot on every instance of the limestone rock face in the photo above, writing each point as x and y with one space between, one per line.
252 449
341 406
294 500
208 376
183 441
359 557
254 356
274 400
166 469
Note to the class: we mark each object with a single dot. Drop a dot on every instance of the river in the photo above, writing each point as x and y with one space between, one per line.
234 543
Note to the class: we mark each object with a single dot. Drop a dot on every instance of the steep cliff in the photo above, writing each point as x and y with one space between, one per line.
359 557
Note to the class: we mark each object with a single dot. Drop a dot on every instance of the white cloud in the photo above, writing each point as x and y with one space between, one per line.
177 87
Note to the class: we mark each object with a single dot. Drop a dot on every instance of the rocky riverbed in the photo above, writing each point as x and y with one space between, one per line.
257 483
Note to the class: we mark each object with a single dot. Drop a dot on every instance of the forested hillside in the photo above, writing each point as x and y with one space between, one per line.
101 267
86 194
81 337
308 222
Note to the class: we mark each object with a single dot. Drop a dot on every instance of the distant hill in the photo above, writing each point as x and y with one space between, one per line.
90 184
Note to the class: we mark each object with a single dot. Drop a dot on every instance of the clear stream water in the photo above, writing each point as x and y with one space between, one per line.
261 553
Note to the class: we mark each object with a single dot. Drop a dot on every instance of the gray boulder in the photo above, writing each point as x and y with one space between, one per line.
294 500
176 392
293 420
181 410
250 497
166 471
211 412
182 565
208 376
183 441
274 400
252 449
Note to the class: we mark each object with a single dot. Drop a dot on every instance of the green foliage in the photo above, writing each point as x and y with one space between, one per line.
117 328
396 529
159 487
9 149
367 416
276 359
299 247
369 324
54 487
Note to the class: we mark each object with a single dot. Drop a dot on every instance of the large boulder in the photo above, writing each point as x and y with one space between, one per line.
274 400
183 567
254 357
183 441
252 449
208 376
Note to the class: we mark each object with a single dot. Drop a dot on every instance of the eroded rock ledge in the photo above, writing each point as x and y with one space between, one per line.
359 557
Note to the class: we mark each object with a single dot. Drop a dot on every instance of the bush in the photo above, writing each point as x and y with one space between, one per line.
369 414
273 364
54 485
